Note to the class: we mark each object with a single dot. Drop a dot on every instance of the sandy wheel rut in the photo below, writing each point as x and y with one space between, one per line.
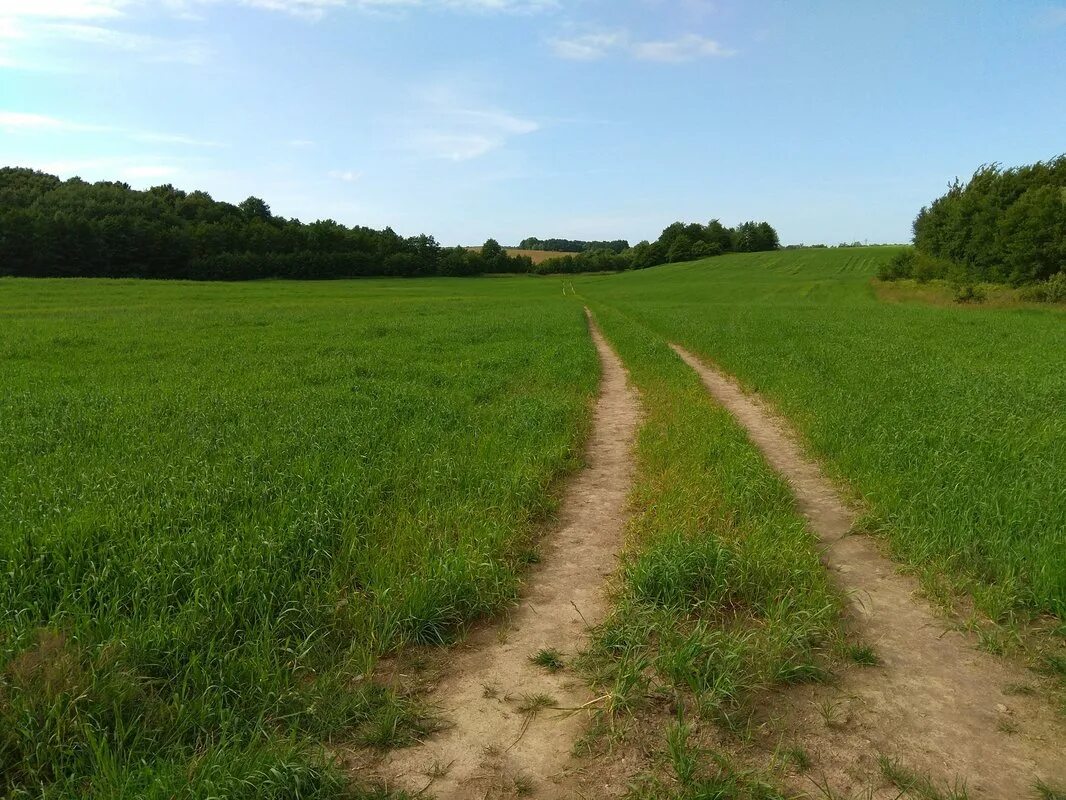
505 739
934 701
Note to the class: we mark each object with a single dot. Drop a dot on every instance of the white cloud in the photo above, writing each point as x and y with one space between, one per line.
302 144
496 120
588 47
506 6
684 48
444 122
95 23
23 122
9 29
453 146
129 168
152 48
597 45
111 24
461 134
18 121
316 9
347 175
62 9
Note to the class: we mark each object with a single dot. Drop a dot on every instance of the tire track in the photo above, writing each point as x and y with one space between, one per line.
934 701
504 741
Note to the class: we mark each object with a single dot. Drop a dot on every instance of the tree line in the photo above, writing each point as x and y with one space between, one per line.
680 241
1001 226
572 245
55 228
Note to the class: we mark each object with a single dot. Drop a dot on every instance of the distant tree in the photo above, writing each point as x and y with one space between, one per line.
644 255
766 237
50 227
492 251
254 208
681 249
717 234
572 245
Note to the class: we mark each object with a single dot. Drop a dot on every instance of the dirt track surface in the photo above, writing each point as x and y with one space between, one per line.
934 702
494 748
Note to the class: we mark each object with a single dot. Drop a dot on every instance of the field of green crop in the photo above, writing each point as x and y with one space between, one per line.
947 422
220 504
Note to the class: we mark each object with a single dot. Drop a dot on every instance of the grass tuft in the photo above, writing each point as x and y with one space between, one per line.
863 654
913 784
1047 792
549 658
533 704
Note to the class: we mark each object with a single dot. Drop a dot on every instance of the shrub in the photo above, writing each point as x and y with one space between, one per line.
928 268
969 293
1053 290
899 266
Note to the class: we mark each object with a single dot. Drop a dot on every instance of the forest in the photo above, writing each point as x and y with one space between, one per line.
572 245
1001 226
55 228
680 241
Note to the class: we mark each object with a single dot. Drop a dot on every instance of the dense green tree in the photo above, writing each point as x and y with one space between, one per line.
253 208
50 227
681 249
1002 226
572 245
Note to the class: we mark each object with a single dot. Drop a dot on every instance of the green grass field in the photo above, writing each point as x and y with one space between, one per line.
219 504
947 422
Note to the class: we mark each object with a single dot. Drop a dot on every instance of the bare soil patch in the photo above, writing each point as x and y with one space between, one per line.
513 722
934 702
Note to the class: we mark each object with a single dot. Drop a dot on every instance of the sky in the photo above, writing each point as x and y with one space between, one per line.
592 119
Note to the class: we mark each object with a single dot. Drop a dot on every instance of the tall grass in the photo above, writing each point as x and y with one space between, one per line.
219 505
948 422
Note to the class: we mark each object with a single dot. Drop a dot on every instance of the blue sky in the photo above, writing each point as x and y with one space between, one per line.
507 118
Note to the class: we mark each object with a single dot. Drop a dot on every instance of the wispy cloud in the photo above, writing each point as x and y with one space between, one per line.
312 9
598 45
63 9
461 134
150 48
685 48
113 24
346 175
25 122
589 46
452 146
504 6
19 121
25 27
445 123
138 170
